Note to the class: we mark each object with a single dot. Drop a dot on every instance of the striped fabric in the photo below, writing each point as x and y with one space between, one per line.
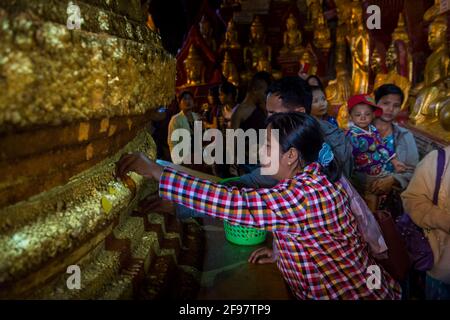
321 254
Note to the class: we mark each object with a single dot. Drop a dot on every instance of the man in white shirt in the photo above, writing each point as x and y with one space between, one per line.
183 120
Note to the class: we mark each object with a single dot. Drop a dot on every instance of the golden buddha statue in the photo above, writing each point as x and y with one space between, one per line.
207 33
231 37
339 90
400 39
314 12
376 64
444 110
308 61
265 65
257 50
341 46
194 67
399 62
343 9
343 117
229 70
433 89
322 33
360 49
433 11
292 38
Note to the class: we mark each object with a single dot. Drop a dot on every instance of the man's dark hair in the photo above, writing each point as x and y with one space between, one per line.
184 93
387 89
294 92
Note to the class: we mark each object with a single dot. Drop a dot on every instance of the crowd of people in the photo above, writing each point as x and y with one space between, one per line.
318 246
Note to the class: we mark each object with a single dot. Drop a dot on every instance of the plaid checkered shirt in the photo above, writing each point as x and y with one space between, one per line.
321 253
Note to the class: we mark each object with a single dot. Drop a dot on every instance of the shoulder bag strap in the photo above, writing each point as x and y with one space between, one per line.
439 173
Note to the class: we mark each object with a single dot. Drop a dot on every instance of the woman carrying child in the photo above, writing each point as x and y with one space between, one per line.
372 160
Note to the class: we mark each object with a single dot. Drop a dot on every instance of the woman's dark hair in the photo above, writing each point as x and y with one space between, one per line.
294 92
228 88
387 89
302 132
320 84
184 93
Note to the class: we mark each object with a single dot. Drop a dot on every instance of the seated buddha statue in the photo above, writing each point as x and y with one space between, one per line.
292 38
229 70
339 90
434 87
322 33
257 49
308 62
314 12
393 76
194 67
231 37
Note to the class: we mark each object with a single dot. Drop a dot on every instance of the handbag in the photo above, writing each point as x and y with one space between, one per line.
419 248
397 263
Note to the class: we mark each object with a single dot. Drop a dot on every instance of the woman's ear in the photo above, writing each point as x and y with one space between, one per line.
293 156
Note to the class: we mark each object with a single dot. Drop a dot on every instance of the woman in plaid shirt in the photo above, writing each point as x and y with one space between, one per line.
321 253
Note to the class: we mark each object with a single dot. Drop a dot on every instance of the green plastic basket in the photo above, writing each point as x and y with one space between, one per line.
243 236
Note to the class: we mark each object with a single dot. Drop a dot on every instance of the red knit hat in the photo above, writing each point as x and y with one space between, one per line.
364 99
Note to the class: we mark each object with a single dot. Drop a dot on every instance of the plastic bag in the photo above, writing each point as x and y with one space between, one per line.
367 224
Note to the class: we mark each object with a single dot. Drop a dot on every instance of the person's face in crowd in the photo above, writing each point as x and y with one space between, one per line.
313 82
226 98
271 155
211 99
274 104
319 106
391 105
186 103
362 115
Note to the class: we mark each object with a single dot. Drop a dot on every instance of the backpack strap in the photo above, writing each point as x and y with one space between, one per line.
439 173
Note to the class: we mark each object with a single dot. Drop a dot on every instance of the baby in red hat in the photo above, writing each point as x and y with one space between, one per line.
369 152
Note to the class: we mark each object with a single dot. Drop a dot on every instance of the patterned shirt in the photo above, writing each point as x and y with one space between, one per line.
389 142
369 152
320 252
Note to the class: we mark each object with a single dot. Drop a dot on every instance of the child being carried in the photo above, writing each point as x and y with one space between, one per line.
369 152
